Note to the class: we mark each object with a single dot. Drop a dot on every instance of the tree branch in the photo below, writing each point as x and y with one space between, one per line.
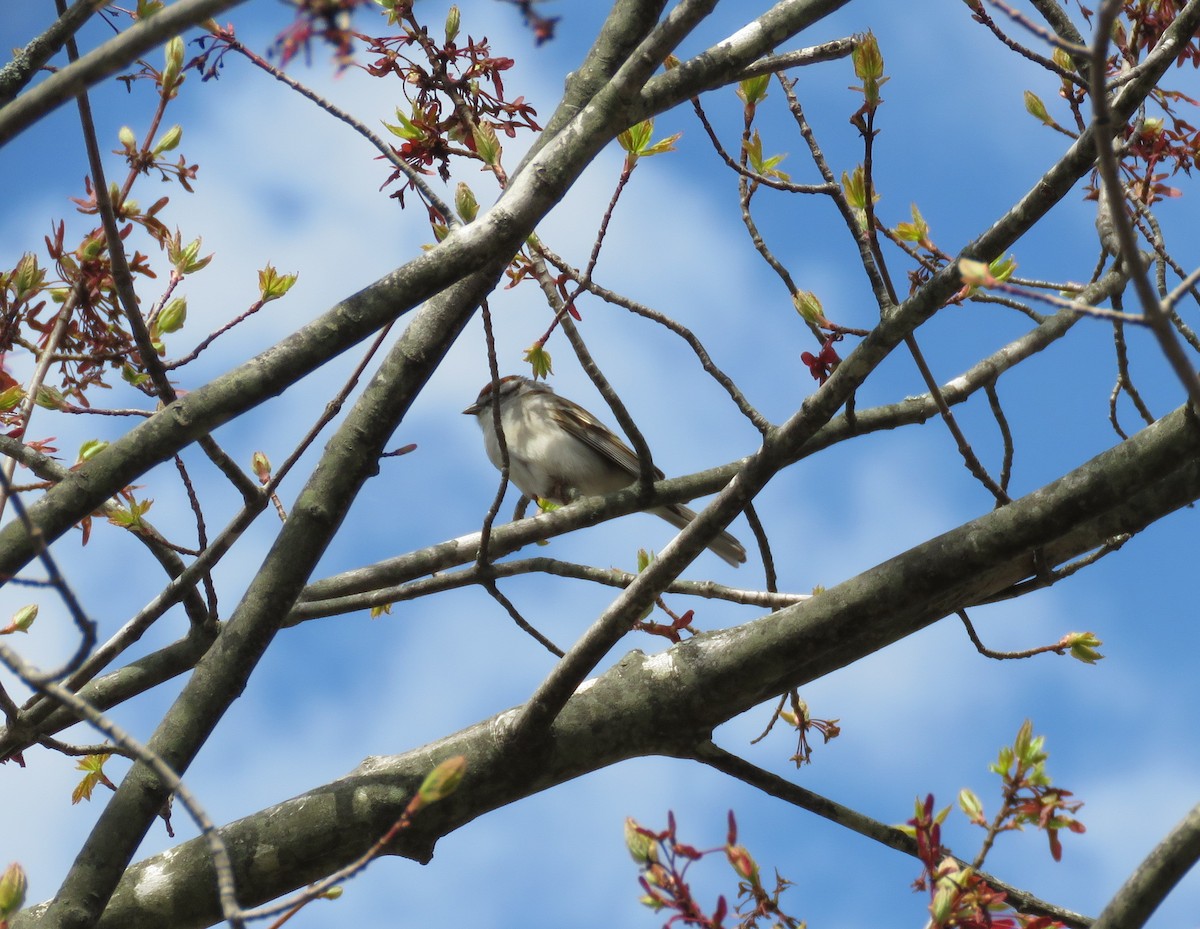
667 703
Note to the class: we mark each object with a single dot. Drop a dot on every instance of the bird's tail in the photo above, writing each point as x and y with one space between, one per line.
724 546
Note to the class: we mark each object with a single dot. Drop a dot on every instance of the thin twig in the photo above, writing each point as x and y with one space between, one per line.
1112 188
414 177
775 786
761 423
523 624
170 780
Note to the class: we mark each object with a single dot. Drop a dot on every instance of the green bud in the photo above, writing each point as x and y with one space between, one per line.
1064 60
642 848
867 58
24 617
92 248
170 75
169 140
48 398
465 203
91 448
969 803
13 885
1002 268
127 138
11 397
260 464
974 273
405 128
443 780
1083 646
808 305
1035 108
868 66
173 316
743 865
185 258
1151 126
854 185
453 18
487 145
27 278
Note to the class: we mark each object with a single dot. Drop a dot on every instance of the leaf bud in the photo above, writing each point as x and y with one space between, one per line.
173 316
24 617
10 397
91 448
642 847
465 203
169 140
487 145
261 465
1035 108
13 885
443 780
171 72
808 305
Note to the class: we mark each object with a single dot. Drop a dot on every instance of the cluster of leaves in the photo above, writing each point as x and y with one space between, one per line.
74 312
455 93
959 896
664 862
1156 147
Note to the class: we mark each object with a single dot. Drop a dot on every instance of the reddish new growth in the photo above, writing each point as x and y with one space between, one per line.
665 862
542 27
453 91
327 20
959 896
673 630
1154 143
821 365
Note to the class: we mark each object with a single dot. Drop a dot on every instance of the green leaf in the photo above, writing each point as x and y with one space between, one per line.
539 360
917 231
636 140
1083 646
753 90
272 285
406 130
487 144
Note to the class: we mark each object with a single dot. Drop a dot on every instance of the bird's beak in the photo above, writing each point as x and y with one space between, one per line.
472 410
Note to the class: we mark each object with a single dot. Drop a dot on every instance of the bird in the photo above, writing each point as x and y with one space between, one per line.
558 451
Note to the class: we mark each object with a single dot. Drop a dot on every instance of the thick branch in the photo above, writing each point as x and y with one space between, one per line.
1155 877
666 703
27 61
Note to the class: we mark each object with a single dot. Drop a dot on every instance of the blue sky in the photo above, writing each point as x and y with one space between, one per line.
281 183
